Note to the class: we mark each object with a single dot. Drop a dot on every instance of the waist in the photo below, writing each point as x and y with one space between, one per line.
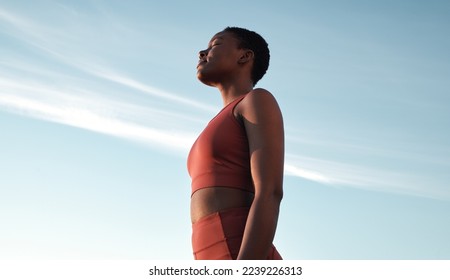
206 201
239 180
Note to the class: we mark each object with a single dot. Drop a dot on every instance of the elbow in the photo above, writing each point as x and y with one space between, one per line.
278 195
277 191
272 195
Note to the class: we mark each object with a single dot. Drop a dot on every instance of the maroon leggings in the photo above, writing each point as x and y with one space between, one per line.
218 236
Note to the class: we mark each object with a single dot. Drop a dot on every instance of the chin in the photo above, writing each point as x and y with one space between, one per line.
204 79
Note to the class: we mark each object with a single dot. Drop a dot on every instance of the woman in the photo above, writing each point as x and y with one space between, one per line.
236 164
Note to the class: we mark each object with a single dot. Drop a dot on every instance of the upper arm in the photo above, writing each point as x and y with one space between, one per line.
264 126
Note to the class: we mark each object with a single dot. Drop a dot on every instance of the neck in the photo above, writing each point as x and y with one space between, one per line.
232 91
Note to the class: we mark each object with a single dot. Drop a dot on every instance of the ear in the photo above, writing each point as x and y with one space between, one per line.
246 56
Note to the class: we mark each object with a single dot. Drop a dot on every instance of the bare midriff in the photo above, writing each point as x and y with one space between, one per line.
214 199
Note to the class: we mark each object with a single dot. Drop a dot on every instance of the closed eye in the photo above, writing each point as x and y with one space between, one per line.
212 46
216 42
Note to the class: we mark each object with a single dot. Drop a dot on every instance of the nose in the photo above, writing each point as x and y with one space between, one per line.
202 54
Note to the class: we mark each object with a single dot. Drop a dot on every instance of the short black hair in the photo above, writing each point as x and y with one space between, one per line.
256 43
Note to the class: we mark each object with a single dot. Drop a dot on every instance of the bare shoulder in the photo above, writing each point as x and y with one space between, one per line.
258 101
260 95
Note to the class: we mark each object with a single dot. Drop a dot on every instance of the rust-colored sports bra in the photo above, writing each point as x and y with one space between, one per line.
220 155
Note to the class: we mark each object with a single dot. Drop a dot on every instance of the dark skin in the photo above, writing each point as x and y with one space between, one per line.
228 68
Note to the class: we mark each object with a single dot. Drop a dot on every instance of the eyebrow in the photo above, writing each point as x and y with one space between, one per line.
215 38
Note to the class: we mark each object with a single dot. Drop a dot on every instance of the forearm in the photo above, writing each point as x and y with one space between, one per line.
260 228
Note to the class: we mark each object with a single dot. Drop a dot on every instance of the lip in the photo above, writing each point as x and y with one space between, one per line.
200 63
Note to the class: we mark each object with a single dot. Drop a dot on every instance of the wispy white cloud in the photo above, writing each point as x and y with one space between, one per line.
340 174
370 146
89 119
43 37
293 170
134 84
69 100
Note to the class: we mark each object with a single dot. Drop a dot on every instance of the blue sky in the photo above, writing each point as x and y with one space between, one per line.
99 105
